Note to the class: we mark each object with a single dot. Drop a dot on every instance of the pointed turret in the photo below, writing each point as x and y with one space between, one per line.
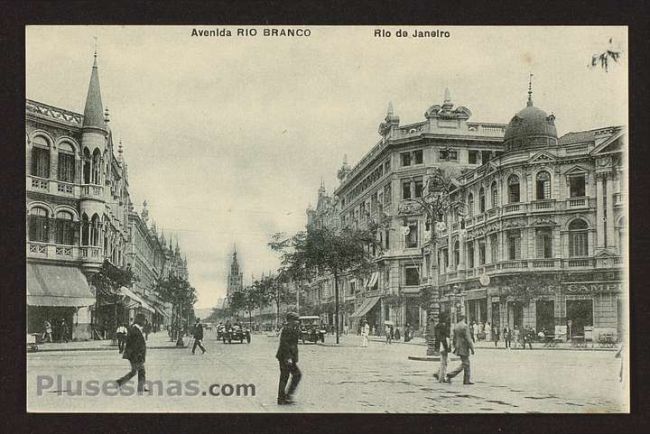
529 103
94 111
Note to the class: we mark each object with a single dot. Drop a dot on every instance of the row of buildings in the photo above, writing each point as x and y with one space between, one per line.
539 241
80 215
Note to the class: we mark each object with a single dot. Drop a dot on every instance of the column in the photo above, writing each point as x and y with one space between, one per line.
461 250
600 208
450 249
609 206
488 252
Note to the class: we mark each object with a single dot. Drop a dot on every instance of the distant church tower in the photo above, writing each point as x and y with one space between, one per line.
235 276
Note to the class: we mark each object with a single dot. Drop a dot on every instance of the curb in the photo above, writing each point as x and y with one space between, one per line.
54 350
514 349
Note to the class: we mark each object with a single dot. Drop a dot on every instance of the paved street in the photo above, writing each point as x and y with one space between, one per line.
379 378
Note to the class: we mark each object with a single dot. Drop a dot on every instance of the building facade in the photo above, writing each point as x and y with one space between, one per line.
79 214
235 277
532 203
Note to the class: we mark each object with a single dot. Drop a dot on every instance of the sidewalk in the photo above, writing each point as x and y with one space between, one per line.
156 341
484 345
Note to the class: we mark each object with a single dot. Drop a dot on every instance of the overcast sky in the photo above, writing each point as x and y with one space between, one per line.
228 138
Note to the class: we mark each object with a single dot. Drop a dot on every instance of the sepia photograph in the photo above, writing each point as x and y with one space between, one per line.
326 219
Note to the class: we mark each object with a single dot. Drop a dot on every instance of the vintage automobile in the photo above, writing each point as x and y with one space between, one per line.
220 331
236 333
311 329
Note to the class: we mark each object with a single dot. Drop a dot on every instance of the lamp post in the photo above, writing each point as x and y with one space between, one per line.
434 203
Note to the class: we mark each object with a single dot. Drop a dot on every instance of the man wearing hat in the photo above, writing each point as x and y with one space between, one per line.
463 345
135 352
287 355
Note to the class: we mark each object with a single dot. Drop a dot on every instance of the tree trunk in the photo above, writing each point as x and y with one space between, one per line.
336 304
433 304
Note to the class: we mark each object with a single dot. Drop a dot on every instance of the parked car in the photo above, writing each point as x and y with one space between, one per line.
32 341
236 333
311 330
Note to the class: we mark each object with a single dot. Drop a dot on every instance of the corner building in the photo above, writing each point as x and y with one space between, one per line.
543 239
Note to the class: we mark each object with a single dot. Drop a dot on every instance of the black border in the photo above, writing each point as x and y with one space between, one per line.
459 12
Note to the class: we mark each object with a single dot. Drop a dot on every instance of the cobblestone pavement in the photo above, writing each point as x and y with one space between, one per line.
348 378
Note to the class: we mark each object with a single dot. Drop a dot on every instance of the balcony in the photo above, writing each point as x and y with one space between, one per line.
51 250
579 262
38 250
515 264
39 184
89 191
577 202
90 253
543 205
513 208
479 218
542 263
492 213
65 188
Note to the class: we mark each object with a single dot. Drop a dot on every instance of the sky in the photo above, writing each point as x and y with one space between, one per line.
229 138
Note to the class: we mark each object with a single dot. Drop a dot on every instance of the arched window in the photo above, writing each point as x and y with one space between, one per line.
470 205
456 254
578 238
543 186
64 228
495 195
481 200
94 230
85 230
40 157
87 160
513 189
66 162
38 225
97 166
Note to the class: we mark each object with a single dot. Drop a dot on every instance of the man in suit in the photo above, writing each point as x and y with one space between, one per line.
135 352
287 356
463 345
198 336
441 333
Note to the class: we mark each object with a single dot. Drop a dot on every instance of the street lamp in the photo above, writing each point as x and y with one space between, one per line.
435 204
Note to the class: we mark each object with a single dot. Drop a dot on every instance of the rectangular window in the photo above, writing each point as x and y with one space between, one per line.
481 253
544 243
387 195
412 236
577 186
412 275
419 187
406 189
405 158
38 228
41 162
514 245
494 248
473 157
64 232
470 255
486 156
387 239
448 155
578 244
418 157
66 167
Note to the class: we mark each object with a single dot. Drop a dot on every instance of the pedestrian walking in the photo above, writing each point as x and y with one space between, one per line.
287 356
198 336
495 335
389 335
121 333
475 331
488 332
407 333
462 347
135 352
529 336
441 334
365 331
516 336
147 330
63 331
47 334
507 336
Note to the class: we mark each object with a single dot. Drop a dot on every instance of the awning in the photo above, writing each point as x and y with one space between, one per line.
365 307
476 294
161 311
136 298
57 285
373 280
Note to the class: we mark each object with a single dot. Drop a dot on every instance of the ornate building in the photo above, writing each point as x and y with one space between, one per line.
80 214
235 277
543 239
533 203
77 209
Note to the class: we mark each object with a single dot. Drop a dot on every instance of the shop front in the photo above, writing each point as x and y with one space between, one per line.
61 296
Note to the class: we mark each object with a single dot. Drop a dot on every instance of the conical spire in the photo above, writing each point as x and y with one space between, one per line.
94 111
447 95
389 112
530 91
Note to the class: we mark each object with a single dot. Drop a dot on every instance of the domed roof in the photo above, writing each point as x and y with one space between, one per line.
531 121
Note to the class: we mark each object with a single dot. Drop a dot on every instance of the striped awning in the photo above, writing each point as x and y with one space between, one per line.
57 285
365 307
137 300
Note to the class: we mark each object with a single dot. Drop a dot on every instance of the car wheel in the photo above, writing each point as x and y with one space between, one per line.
322 338
248 339
230 340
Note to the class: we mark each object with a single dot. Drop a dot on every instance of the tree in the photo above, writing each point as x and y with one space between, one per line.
272 289
177 291
108 282
324 250
603 58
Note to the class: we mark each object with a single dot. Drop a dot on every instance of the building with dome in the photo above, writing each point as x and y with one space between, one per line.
538 242
542 241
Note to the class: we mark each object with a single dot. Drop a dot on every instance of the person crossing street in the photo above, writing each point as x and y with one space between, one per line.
198 336
135 352
287 356
462 347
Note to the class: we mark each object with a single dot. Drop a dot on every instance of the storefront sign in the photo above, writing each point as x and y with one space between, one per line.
593 288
